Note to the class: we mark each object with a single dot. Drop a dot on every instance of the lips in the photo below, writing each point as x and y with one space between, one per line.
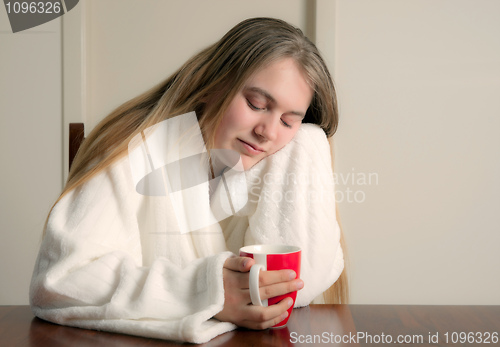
251 148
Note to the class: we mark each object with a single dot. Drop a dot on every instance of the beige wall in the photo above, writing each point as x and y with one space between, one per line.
31 148
416 80
419 84
133 45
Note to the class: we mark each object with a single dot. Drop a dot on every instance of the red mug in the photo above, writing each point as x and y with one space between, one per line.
271 257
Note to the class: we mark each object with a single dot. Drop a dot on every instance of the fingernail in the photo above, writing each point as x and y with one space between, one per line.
284 315
289 303
245 262
292 274
299 285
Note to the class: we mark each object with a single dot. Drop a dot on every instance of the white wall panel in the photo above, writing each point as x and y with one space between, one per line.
30 147
418 84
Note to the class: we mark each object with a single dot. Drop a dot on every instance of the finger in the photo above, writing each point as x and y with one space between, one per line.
264 317
271 277
241 264
267 278
281 288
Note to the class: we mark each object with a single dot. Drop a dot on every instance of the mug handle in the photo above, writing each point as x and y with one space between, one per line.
254 285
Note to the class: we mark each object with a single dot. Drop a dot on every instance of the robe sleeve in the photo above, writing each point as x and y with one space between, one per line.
89 272
293 195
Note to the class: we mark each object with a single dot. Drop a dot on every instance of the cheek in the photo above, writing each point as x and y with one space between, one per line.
284 138
236 117
230 124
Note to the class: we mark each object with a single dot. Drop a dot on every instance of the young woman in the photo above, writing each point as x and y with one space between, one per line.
113 259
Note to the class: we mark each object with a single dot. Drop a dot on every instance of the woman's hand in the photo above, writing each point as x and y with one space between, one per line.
238 308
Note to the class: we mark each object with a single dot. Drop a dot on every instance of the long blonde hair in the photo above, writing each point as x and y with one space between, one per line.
206 84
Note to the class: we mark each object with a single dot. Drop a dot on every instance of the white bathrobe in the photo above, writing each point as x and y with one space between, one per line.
115 260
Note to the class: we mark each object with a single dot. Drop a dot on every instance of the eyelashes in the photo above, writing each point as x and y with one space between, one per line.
255 108
285 123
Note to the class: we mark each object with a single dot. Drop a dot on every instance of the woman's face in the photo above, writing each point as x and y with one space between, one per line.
265 115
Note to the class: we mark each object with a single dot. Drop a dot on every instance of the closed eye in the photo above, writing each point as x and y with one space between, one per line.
285 124
253 107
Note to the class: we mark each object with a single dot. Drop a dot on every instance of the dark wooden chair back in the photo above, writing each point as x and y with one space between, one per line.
76 136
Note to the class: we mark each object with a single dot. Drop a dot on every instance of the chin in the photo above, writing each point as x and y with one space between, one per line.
247 166
250 162
247 163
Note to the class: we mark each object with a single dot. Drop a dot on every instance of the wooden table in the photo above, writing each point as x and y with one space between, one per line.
316 325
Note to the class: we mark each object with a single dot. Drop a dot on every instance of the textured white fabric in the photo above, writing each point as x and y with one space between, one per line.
115 260
292 201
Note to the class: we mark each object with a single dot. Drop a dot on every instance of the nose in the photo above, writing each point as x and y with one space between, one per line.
267 127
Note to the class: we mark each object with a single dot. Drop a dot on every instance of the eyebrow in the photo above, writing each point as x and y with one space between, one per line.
270 98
